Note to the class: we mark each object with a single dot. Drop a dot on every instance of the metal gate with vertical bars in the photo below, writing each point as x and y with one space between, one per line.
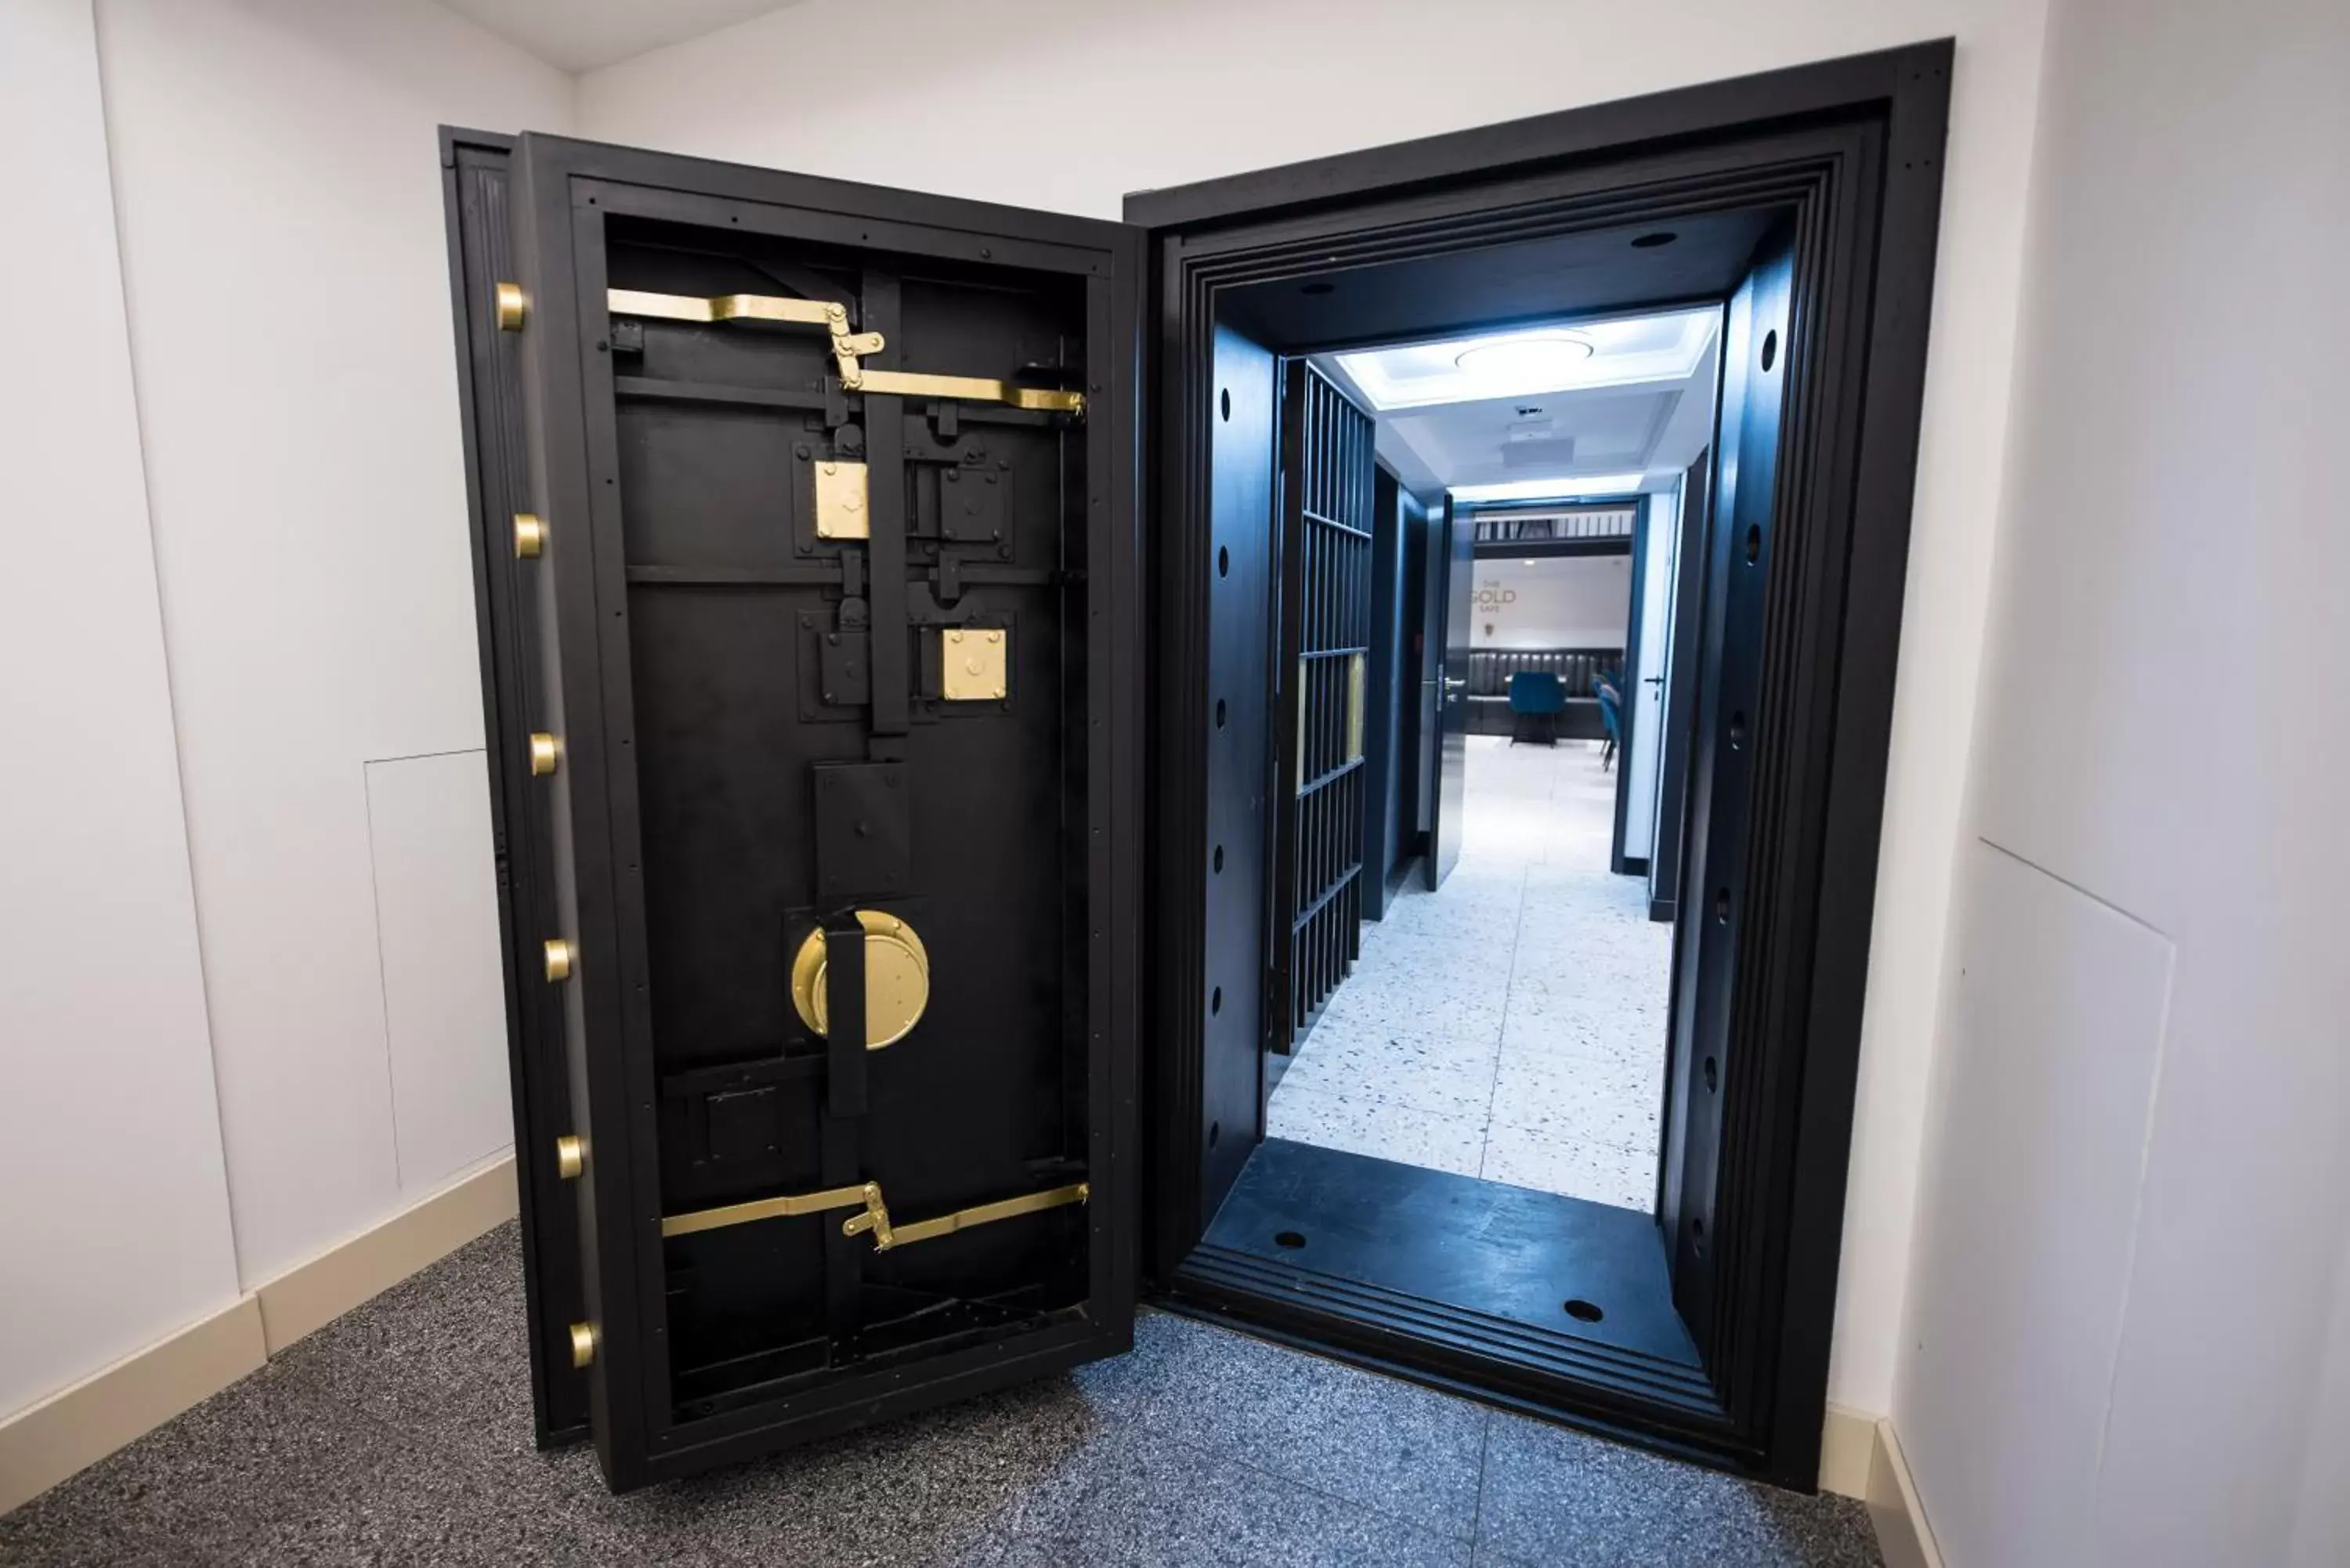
1327 477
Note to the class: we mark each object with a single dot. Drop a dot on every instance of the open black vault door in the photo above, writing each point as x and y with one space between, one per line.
812 696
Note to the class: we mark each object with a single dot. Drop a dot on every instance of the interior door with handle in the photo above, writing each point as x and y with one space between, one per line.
1453 550
829 680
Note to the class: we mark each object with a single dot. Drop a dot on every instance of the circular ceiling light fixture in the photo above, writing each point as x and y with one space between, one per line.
1535 354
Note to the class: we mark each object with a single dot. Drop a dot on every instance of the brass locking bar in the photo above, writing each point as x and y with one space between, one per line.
848 348
832 316
876 1214
967 389
961 1218
867 1196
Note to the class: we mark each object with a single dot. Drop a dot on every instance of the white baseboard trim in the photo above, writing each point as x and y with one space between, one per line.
1847 1446
310 1295
1902 1534
84 1422
1861 1459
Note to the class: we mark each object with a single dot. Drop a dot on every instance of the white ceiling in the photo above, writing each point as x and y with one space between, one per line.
583 35
1654 422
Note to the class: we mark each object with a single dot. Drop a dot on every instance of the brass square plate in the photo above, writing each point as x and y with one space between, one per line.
840 500
972 663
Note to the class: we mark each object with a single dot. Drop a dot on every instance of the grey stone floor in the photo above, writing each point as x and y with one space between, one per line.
401 1435
1510 1025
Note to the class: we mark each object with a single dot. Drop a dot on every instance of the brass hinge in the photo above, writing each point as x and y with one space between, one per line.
875 1215
848 349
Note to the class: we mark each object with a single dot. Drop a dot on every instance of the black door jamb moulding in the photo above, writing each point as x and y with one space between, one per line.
1850 151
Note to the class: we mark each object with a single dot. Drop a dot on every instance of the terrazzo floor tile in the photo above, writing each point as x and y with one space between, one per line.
1357 1124
1599 1173
1532 944
1454 1004
1429 1070
1581 1099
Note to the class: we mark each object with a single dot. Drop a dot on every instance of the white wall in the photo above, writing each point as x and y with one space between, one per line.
237 628
1140 96
277 174
1558 601
114 1219
2128 1340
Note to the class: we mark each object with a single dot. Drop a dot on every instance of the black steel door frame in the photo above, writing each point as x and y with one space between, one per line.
1851 150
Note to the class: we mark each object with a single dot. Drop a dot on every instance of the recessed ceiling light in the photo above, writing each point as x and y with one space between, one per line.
1562 489
1535 354
1528 362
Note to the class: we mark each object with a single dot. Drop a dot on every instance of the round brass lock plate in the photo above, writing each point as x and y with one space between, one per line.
896 979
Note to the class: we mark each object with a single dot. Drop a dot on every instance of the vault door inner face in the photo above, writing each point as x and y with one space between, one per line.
851 746
853 698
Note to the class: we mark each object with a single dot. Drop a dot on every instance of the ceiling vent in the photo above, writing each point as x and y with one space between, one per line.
1554 454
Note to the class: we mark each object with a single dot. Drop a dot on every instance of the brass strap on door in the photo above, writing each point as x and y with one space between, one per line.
965 389
833 317
848 349
867 1196
874 1214
884 1238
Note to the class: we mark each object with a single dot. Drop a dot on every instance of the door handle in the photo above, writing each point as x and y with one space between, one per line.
1653 680
1452 685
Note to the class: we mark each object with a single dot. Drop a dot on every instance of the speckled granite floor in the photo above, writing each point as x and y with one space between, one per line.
1510 1025
401 1435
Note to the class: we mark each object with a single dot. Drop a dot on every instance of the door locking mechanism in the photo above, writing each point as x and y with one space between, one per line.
873 1214
897 980
848 349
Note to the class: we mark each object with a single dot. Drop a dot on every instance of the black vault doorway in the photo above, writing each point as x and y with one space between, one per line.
1840 162
1845 155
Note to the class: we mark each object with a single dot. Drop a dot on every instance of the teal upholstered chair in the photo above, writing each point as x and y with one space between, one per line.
1536 699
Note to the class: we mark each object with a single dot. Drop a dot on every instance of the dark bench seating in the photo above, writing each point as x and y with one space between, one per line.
1490 670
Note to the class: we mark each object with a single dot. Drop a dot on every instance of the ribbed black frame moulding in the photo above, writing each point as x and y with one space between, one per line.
1851 149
